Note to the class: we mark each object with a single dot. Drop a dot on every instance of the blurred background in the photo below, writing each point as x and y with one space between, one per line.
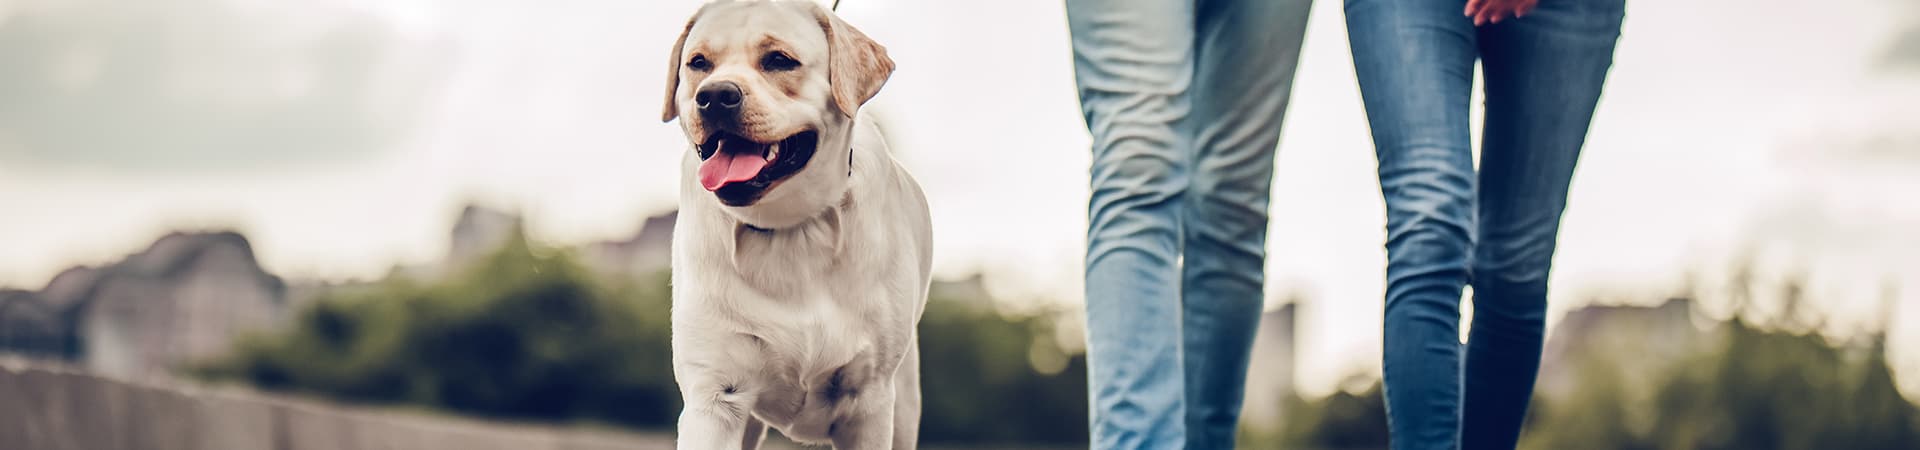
349 224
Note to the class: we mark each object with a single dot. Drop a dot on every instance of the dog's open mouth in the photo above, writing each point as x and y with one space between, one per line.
739 170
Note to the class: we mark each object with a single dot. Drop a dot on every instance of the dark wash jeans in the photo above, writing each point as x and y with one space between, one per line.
1449 224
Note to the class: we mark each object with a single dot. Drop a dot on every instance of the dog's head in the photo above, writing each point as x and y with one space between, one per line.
766 93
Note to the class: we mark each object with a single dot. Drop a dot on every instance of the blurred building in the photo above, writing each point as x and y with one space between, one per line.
31 327
183 299
966 294
480 231
477 233
1643 338
649 251
41 323
1270 372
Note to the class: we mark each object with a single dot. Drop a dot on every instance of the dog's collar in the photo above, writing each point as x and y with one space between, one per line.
843 202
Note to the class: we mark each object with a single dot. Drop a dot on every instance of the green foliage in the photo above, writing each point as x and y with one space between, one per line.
1740 386
1343 421
530 334
1758 389
522 334
978 383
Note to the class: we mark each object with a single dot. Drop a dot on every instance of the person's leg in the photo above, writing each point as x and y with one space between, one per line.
1543 78
1414 59
1133 61
1245 54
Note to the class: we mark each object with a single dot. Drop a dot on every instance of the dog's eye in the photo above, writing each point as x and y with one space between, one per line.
778 62
699 63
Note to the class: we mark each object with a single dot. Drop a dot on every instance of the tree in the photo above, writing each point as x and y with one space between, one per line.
523 334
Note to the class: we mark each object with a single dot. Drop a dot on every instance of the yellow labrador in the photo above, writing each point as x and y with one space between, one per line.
802 254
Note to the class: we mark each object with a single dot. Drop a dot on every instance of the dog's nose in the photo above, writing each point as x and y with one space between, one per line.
721 98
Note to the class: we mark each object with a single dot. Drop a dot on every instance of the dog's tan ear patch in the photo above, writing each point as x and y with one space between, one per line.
673 68
856 65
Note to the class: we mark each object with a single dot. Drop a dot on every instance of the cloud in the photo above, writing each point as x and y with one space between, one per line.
1889 149
1881 150
174 86
1904 52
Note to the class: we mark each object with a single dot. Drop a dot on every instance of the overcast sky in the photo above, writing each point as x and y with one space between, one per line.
343 135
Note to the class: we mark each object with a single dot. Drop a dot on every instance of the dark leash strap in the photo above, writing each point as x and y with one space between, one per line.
836 6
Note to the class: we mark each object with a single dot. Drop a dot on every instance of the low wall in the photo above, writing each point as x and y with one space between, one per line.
52 408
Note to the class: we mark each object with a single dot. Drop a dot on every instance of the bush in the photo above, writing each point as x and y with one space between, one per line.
520 335
1747 385
1759 389
979 381
530 335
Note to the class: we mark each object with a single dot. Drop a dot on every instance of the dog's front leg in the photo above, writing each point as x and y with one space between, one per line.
906 404
712 424
872 427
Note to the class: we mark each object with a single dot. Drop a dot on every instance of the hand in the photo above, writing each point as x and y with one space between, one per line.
1492 11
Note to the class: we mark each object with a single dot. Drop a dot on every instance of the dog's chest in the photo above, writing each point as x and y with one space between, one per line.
800 261
814 354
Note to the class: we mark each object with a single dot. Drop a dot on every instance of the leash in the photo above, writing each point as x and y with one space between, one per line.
836 8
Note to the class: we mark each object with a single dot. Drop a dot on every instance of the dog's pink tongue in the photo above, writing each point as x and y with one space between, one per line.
725 168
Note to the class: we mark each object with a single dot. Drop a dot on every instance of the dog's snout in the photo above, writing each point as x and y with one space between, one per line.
719 98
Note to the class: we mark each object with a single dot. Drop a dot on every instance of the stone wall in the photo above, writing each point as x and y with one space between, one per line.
53 408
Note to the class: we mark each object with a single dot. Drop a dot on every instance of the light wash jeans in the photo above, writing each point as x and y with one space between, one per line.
1184 100
1448 225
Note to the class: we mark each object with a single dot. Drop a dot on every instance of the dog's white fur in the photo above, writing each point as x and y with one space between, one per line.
797 311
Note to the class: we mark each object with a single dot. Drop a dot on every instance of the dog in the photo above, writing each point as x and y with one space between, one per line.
802 250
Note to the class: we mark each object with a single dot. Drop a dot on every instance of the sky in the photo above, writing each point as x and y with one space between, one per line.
342 136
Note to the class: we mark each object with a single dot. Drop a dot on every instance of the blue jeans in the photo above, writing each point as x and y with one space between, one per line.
1448 225
1184 100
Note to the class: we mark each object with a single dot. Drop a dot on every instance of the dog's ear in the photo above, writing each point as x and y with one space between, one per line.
856 65
673 67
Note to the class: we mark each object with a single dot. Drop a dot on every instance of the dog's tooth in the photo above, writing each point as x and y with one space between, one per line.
773 151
